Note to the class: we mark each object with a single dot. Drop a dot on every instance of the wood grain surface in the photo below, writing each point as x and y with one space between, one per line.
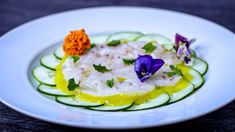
17 12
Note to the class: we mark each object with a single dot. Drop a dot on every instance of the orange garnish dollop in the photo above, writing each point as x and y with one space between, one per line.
76 43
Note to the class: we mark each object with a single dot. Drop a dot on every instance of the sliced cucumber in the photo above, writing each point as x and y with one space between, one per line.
193 77
51 90
99 39
157 37
59 52
158 101
125 36
181 94
179 91
111 108
200 65
75 101
44 75
49 61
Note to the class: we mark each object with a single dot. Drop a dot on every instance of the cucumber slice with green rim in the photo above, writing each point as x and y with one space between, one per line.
59 52
44 75
75 101
125 36
99 39
156 37
51 90
181 94
193 77
179 91
153 103
200 65
111 108
49 61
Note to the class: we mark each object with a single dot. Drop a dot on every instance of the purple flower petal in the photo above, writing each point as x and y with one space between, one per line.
145 66
182 47
186 60
143 63
181 39
188 53
156 65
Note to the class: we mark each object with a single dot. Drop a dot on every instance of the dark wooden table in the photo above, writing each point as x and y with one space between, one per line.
16 12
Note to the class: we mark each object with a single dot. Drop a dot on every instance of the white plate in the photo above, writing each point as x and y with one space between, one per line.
19 47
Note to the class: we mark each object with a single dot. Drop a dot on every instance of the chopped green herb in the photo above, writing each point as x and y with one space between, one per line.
93 45
175 71
129 61
114 43
72 85
178 72
101 68
121 79
110 83
149 47
75 58
170 74
172 67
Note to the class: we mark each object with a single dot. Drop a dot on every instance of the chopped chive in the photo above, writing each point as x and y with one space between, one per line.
175 71
101 68
72 85
178 72
75 58
110 83
172 67
93 45
170 74
149 47
129 61
114 43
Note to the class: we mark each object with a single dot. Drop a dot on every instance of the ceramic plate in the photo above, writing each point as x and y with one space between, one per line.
22 47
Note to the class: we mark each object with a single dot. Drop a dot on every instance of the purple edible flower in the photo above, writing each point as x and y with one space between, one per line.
181 39
182 47
145 66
